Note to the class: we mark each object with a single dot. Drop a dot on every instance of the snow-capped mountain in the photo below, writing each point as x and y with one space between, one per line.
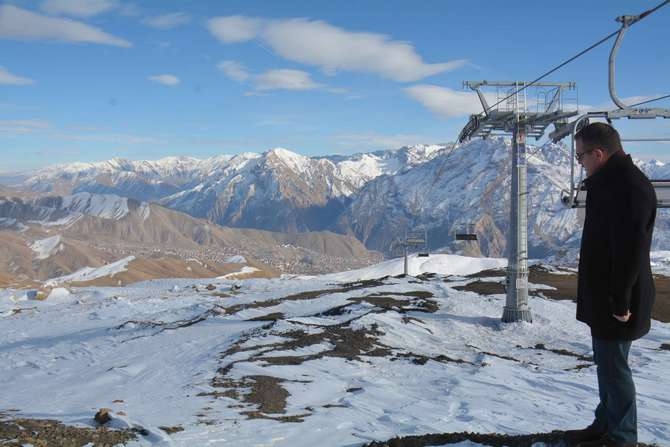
59 210
468 188
278 190
375 196
141 180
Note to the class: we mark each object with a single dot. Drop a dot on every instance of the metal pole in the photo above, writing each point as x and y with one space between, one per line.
406 269
611 77
516 307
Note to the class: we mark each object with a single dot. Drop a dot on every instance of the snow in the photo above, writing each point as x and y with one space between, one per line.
91 273
237 259
296 162
244 271
107 206
129 349
660 262
443 264
144 211
45 248
7 223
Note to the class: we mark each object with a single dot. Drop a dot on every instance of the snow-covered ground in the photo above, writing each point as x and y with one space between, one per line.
443 264
406 356
91 273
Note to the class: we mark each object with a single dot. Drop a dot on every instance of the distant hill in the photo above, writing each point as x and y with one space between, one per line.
53 236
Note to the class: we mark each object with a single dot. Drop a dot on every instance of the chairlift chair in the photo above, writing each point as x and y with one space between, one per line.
468 234
576 196
418 239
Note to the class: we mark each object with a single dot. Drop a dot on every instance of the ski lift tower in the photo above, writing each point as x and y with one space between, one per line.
511 114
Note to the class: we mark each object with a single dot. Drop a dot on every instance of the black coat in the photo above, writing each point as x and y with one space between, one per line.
614 270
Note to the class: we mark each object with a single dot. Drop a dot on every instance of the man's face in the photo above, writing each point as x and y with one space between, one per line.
591 159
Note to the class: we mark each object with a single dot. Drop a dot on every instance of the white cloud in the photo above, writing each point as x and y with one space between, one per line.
22 126
17 23
445 101
168 21
165 79
234 28
8 78
234 70
285 79
278 79
78 8
331 48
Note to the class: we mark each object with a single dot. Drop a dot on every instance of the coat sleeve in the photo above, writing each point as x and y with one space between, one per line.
632 213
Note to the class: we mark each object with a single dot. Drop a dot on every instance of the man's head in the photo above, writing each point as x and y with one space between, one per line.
595 144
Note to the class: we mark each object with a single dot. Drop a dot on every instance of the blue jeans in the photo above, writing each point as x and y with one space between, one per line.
616 413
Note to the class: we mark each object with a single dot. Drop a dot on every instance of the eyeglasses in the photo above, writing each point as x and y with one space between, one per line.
579 156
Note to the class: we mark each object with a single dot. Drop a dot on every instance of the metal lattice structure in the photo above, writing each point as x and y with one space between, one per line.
515 114
548 106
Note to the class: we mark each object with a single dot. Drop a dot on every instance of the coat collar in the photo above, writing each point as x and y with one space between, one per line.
612 167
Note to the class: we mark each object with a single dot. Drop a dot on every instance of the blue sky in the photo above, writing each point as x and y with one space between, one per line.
88 80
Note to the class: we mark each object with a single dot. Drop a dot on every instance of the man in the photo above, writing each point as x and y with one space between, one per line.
615 291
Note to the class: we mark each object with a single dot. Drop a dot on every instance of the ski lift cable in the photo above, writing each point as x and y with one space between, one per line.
650 100
581 53
660 139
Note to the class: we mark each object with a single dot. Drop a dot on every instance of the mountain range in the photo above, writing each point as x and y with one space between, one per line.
373 197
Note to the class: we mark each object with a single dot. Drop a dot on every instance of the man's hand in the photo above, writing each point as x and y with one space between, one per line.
623 318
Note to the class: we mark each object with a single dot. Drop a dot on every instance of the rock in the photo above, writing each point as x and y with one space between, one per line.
102 416
210 287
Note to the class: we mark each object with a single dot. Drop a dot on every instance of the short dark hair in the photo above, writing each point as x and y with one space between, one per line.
602 135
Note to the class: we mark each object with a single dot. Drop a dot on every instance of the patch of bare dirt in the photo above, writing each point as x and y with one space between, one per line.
487 273
171 429
661 310
274 316
266 392
565 285
307 295
483 287
554 438
16 432
586 358
419 359
392 303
